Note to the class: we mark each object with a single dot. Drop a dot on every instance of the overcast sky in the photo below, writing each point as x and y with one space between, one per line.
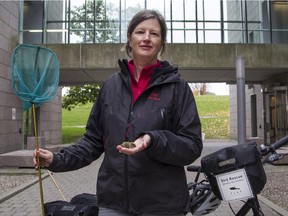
219 88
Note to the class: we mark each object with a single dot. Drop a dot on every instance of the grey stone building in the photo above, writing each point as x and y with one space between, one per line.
266 101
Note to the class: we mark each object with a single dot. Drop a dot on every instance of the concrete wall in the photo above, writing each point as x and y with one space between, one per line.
249 91
255 90
90 63
50 121
10 124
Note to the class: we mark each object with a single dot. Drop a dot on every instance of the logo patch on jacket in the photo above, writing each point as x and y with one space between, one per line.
154 96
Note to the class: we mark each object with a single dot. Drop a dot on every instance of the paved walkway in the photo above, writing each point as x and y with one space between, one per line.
26 201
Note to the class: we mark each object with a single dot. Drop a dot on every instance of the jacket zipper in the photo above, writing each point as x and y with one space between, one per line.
162 110
126 181
126 173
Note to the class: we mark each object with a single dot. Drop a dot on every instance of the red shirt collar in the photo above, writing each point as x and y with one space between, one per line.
146 70
144 79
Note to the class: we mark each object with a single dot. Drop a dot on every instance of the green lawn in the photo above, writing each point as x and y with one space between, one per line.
73 122
213 111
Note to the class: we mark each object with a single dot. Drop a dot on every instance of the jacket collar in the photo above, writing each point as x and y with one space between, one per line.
166 72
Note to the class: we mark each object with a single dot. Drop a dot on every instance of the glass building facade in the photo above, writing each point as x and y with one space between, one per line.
188 21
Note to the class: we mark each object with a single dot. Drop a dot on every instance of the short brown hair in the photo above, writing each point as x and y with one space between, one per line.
142 16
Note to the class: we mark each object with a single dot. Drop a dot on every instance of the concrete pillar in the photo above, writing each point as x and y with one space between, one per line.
241 110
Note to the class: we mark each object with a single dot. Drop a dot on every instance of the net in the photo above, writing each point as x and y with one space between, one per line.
34 74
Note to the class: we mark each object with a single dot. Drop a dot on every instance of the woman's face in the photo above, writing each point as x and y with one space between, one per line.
146 41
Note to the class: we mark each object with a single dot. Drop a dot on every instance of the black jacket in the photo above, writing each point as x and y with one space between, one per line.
154 180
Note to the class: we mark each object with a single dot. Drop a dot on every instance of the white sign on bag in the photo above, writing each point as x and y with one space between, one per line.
234 185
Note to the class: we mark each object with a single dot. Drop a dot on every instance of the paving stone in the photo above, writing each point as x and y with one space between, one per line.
27 202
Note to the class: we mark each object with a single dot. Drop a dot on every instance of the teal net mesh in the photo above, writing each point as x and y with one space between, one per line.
34 74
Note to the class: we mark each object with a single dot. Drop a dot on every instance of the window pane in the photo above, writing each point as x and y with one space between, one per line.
54 10
212 25
212 36
190 25
55 33
233 11
177 10
190 10
190 36
130 8
77 25
200 9
235 36
157 5
279 22
167 10
112 10
178 36
77 7
178 25
76 36
212 10
169 36
200 25
200 36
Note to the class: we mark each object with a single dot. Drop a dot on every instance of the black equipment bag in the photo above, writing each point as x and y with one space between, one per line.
241 156
80 205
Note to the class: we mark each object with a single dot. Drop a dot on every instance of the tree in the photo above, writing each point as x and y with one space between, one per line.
199 88
87 18
82 25
80 95
104 34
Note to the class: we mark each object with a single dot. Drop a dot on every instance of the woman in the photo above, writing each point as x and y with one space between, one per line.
149 104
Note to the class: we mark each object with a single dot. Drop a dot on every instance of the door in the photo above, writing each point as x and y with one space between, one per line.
254 132
276 115
281 114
